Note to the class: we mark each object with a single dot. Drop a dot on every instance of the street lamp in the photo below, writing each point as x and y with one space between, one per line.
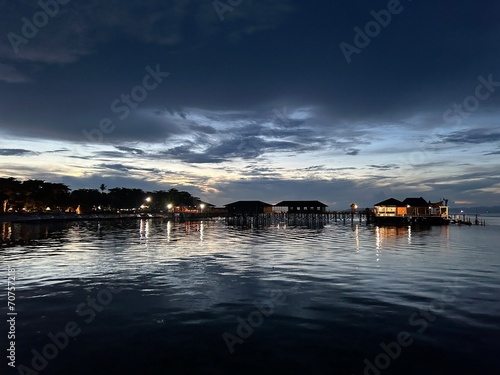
169 207
147 200
202 206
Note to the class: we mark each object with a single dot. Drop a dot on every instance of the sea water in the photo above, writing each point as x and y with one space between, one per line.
162 297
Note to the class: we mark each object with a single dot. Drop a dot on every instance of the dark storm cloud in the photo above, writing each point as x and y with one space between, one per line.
314 168
322 168
245 148
492 153
111 154
202 129
186 154
127 168
251 147
61 150
475 136
238 147
261 171
138 126
384 166
130 150
81 157
466 183
230 136
471 173
352 151
16 152
257 129
115 167
439 164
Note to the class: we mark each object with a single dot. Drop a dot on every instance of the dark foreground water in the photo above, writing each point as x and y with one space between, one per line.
156 297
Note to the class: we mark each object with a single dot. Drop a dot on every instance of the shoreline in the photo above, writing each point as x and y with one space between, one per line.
46 217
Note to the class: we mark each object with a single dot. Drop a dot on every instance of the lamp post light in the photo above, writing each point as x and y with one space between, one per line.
354 207
146 203
202 206
169 207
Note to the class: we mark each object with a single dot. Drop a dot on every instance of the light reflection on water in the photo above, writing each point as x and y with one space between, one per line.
347 288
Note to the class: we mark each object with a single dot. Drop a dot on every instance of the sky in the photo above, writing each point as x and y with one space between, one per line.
340 101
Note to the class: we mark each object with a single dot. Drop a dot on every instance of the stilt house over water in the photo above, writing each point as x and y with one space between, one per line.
411 210
302 207
248 208
390 207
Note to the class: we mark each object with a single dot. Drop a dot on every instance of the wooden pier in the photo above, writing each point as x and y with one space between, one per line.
298 219
316 219
462 219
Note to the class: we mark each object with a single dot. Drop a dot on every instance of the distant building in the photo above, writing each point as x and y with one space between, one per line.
303 207
218 210
184 208
203 206
196 206
248 208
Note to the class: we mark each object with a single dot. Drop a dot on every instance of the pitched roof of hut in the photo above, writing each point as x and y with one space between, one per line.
391 202
300 204
416 202
249 204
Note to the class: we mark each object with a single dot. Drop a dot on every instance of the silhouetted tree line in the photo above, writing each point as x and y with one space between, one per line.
37 195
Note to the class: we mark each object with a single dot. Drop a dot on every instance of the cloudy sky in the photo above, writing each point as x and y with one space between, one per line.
342 101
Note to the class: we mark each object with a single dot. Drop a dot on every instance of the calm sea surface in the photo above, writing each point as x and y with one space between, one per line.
158 297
